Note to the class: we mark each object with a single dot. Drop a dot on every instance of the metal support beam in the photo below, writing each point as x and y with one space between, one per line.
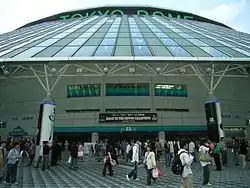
38 78
199 75
47 80
59 77
220 78
211 80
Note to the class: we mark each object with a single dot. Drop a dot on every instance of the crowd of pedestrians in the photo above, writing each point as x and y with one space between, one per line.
177 155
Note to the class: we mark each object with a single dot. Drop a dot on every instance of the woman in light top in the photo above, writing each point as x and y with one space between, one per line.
204 148
150 164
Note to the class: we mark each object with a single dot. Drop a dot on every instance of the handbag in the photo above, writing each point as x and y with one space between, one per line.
80 154
155 173
160 173
112 161
105 160
70 159
205 157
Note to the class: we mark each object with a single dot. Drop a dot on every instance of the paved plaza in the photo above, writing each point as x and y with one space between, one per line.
89 175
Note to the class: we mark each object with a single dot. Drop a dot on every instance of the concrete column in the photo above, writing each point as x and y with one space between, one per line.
94 137
162 137
45 125
214 119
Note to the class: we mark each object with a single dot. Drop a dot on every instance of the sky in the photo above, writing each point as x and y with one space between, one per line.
16 13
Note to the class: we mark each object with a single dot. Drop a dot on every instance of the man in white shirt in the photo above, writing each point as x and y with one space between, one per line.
191 149
186 160
135 160
128 148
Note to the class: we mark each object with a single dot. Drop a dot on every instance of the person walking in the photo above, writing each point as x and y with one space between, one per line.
243 152
32 152
12 164
186 161
109 157
46 150
135 160
235 150
150 164
3 157
191 149
167 154
74 156
223 151
204 148
216 155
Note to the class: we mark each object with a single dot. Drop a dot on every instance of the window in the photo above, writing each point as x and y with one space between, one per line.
49 52
160 51
135 35
122 35
142 51
196 51
153 41
168 42
104 51
212 51
30 52
198 42
138 41
149 35
230 51
66 52
113 35
85 90
123 51
108 41
85 51
48 42
178 51
161 35
93 41
123 41
78 42
171 90
127 89
63 42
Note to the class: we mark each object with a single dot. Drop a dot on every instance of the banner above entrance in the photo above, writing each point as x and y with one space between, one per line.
127 117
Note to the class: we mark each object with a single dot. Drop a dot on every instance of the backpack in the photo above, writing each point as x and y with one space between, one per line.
130 153
176 166
167 148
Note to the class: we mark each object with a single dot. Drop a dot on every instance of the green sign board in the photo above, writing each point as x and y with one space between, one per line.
124 12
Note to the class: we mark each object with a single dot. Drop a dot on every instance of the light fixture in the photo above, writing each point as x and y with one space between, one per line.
53 70
208 70
182 70
158 69
79 70
105 70
131 70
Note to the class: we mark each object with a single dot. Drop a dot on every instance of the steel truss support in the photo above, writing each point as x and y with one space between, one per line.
46 76
210 75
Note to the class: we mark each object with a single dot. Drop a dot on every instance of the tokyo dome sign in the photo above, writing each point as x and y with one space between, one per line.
126 11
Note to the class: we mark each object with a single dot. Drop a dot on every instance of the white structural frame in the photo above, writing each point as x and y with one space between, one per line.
210 71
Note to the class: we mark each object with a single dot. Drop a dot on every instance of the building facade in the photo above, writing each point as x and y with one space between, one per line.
121 61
